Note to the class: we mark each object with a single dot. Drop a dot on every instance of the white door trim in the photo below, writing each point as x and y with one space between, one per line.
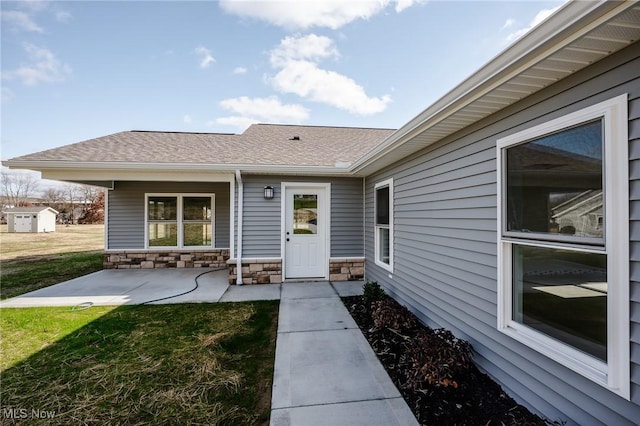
326 210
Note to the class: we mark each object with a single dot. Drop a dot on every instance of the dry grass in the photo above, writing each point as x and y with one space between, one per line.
19 247
32 261
159 364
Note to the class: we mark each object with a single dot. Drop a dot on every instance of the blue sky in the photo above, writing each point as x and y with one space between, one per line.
76 70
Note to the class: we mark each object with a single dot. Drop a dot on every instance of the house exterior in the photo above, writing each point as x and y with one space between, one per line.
507 211
31 219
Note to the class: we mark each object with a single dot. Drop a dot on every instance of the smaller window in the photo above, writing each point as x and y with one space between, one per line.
384 224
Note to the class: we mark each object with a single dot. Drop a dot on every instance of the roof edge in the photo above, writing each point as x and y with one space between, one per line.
103 167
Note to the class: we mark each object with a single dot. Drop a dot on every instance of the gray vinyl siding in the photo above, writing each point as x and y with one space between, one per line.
127 203
445 259
262 218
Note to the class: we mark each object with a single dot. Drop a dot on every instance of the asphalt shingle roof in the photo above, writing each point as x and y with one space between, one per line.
260 144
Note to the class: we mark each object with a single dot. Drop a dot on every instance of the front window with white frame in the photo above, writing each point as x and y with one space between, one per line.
180 220
563 241
384 224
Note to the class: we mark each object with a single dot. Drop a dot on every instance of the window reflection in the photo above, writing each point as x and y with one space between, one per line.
554 184
305 214
563 294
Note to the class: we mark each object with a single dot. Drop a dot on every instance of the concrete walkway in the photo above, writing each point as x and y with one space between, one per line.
325 371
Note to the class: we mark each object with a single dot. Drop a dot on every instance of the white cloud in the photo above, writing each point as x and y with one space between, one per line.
509 23
44 67
307 80
306 14
20 21
187 119
239 70
254 110
63 16
296 59
310 47
540 16
205 55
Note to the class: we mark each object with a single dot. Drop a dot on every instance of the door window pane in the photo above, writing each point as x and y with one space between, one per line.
305 214
554 183
562 294
163 234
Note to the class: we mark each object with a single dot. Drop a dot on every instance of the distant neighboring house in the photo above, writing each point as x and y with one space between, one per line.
457 214
31 219
582 215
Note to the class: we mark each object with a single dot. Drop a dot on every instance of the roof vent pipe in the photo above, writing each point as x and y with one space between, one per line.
295 138
240 211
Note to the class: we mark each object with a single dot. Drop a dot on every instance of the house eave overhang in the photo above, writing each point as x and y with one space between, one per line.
557 48
114 171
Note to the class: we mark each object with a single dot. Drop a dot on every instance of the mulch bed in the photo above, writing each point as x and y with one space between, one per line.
433 370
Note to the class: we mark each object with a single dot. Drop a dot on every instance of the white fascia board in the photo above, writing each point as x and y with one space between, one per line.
68 170
569 23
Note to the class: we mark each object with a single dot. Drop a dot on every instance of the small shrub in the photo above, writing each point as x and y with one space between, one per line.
372 292
388 314
438 358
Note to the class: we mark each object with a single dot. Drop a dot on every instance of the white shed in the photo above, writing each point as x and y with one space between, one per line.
31 219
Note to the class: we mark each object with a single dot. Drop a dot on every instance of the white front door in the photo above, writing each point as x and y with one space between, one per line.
305 232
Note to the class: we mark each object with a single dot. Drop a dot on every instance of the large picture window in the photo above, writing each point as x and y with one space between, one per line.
563 241
384 224
177 221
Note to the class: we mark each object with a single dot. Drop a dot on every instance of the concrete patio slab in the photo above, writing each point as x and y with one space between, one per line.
307 290
245 293
120 287
385 412
314 314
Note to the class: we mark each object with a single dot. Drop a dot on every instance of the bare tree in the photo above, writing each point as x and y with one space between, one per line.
72 193
17 187
54 198
93 210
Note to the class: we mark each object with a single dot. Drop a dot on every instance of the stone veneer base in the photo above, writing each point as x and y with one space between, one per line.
154 259
256 271
269 271
346 269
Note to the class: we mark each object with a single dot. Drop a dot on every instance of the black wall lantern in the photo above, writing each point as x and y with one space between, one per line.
268 192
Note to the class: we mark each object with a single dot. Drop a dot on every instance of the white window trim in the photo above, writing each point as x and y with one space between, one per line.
380 263
615 373
179 221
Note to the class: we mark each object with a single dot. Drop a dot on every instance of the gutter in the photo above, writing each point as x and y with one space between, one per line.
240 212
118 166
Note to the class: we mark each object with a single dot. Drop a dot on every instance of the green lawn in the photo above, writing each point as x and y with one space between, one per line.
152 364
24 276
